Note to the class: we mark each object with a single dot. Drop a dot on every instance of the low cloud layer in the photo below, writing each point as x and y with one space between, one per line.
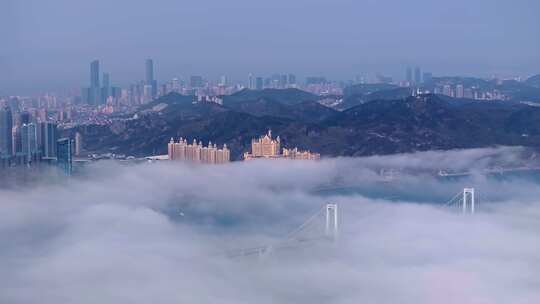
161 233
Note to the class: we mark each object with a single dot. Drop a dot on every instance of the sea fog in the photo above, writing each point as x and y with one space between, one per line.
164 232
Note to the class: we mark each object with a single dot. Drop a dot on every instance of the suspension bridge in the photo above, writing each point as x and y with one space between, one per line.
464 202
305 233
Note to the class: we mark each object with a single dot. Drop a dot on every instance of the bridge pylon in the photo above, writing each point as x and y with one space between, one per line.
331 230
468 201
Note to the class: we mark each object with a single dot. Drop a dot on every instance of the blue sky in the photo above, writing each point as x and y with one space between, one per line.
49 44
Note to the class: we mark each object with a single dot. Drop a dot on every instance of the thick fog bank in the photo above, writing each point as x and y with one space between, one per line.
163 233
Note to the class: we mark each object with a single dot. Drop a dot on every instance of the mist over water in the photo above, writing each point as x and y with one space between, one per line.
160 233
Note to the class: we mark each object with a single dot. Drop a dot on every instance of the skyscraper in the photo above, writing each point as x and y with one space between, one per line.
106 80
292 80
24 118
251 82
417 75
149 71
223 80
94 92
78 144
460 91
259 83
196 81
149 77
17 141
276 78
29 140
6 125
106 89
447 90
94 74
175 85
49 136
428 78
408 75
283 81
64 148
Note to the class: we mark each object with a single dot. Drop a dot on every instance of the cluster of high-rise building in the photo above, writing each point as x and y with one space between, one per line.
416 77
313 84
468 92
266 147
100 90
196 152
102 94
110 99
425 83
27 139
144 91
276 81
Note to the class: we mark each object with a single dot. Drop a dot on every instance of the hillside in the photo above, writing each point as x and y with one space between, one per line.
367 88
427 123
385 93
375 127
283 96
534 81
305 111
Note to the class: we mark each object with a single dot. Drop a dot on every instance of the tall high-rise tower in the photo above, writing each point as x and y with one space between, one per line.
29 140
78 144
149 77
106 80
94 74
251 82
106 89
408 75
259 83
64 150
49 136
149 71
417 75
94 92
6 125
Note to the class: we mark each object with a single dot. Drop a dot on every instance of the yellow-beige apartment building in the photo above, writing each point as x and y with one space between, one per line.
197 153
265 147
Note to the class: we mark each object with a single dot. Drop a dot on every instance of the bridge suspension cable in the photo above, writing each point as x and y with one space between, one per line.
293 238
464 201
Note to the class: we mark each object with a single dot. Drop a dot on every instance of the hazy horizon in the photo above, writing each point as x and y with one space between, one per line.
48 45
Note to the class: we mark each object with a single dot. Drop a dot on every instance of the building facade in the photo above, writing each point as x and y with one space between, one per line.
29 141
64 148
49 137
6 125
149 78
265 147
197 153
300 155
78 144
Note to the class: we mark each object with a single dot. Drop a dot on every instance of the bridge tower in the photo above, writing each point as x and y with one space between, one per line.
468 201
331 220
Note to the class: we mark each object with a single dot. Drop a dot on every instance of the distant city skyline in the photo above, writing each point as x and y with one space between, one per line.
47 45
